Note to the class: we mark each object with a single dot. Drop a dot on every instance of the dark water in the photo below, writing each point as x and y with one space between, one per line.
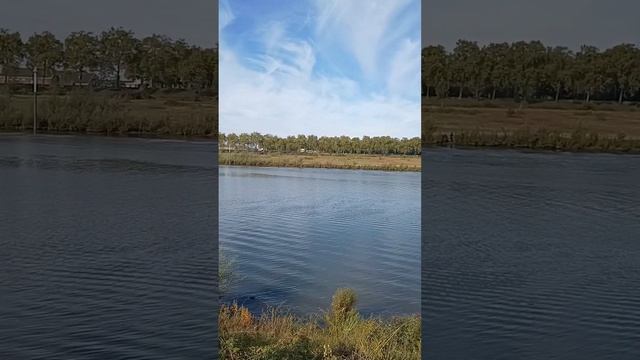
295 235
530 255
107 248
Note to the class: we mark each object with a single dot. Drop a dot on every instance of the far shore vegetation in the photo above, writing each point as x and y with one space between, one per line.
340 152
563 126
528 95
110 83
333 161
502 95
171 113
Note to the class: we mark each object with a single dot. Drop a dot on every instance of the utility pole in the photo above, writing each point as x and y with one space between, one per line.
35 99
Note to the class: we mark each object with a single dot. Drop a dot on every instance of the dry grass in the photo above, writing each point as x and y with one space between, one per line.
340 333
564 126
105 113
347 161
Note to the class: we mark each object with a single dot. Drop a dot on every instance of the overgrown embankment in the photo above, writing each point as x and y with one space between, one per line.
340 333
333 161
546 126
113 113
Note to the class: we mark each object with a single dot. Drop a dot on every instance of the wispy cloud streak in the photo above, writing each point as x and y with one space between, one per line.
323 68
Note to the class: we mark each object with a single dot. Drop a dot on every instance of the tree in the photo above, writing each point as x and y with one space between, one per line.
528 59
497 67
152 62
10 51
588 73
117 50
44 51
80 52
465 64
529 70
558 69
623 62
436 75
382 145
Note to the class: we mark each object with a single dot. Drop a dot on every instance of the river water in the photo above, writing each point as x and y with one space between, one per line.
296 235
108 248
530 255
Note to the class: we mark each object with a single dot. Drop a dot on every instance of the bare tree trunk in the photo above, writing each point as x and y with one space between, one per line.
621 97
460 92
588 96
493 94
118 76
557 92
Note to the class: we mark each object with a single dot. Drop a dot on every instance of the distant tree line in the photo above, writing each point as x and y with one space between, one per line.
157 61
381 145
531 71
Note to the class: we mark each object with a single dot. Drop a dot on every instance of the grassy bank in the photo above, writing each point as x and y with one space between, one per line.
553 126
183 114
341 333
347 161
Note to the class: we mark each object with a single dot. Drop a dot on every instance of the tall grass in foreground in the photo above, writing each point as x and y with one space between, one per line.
340 333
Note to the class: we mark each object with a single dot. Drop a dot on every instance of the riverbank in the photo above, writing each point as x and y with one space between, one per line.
341 333
596 127
334 161
163 114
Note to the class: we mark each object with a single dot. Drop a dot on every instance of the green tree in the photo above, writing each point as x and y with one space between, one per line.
588 73
622 62
497 67
45 52
10 51
465 64
117 51
558 69
80 52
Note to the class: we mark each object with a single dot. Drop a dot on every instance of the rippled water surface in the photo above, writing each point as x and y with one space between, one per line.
295 235
107 248
530 255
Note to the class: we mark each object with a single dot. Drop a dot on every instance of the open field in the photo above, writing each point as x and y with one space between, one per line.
172 115
554 126
341 333
346 161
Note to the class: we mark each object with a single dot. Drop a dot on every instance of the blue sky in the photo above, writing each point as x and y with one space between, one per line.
322 67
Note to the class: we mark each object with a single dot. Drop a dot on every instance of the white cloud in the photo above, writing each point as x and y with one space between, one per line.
252 100
225 15
278 92
403 79
363 26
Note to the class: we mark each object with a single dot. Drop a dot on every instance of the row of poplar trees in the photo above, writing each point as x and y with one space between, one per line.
382 145
531 71
157 60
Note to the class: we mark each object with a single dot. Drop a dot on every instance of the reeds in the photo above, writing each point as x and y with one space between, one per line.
539 139
340 333
93 113
541 126
333 161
